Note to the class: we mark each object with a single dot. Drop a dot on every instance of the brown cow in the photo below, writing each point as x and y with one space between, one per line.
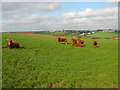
95 43
73 41
11 44
77 45
62 40
80 41
82 45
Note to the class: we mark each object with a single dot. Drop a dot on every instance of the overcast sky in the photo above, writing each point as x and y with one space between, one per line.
29 16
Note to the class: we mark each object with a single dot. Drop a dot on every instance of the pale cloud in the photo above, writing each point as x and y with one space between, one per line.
69 14
113 1
31 0
23 18
60 0
49 6
92 19
26 6
91 13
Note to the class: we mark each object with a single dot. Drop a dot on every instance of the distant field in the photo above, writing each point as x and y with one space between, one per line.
105 34
48 33
46 63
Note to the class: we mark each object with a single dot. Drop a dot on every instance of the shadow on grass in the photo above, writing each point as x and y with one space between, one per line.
21 48
62 43
97 47
14 48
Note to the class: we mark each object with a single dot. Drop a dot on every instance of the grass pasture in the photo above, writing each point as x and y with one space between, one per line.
46 63
105 34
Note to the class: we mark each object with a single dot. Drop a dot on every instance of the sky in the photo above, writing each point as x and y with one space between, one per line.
37 16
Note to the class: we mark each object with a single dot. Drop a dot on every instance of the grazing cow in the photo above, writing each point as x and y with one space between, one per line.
73 41
82 45
80 41
62 40
11 44
77 45
77 41
95 43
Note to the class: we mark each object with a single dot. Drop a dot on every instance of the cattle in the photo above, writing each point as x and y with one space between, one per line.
77 42
73 41
11 44
62 39
82 45
77 45
95 43
80 41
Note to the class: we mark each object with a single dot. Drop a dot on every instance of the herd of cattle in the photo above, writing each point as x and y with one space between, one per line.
74 42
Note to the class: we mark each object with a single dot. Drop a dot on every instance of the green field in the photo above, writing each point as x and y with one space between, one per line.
105 34
46 63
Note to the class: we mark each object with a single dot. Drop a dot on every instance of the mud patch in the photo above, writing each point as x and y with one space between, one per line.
55 84
31 34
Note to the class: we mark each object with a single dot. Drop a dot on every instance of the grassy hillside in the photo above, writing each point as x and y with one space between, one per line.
105 34
46 63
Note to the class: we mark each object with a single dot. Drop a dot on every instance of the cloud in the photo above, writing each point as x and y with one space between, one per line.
104 18
92 13
113 1
27 6
60 0
31 0
49 6
23 18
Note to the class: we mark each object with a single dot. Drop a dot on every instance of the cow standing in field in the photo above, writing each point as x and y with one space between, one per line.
11 44
77 43
95 43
